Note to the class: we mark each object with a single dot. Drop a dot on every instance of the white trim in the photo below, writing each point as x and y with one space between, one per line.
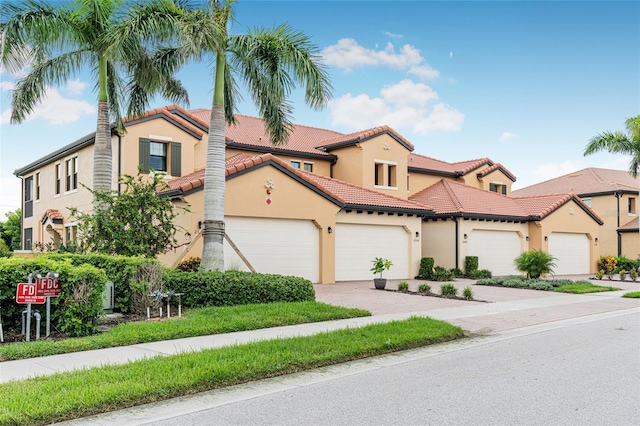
161 138
395 188
392 163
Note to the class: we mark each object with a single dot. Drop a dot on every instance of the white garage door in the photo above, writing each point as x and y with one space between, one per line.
274 246
496 250
358 245
571 252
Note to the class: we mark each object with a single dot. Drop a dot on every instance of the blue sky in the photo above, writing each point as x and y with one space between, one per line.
523 83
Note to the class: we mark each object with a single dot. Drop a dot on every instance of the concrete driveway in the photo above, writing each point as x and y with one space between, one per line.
495 308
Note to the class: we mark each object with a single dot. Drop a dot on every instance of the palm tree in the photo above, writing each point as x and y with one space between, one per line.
270 62
58 40
620 143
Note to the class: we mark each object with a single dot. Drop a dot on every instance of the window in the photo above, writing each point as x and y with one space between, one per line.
37 186
295 164
71 166
70 234
632 206
28 197
384 174
158 156
161 156
58 177
28 238
587 201
308 167
498 187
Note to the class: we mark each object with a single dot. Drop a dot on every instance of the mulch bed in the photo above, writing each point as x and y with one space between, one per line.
415 293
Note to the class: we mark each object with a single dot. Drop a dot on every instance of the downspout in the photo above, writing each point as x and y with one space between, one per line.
119 159
617 195
457 241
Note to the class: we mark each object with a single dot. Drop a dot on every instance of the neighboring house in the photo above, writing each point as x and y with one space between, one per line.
322 206
612 195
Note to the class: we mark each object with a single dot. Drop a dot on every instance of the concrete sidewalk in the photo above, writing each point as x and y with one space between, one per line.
509 309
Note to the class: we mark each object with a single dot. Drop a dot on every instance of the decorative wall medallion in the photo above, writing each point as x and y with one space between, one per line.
386 147
268 201
270 184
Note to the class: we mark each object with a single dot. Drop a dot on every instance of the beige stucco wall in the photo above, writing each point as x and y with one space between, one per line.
630 242
568 218
246 196
439 242
410 224
356 164
606 206
495 176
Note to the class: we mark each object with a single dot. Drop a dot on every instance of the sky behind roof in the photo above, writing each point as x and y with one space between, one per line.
526 84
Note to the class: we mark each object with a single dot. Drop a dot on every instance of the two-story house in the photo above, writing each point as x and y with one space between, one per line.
322 206
612 194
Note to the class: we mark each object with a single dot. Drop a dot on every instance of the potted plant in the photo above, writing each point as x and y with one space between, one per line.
379 265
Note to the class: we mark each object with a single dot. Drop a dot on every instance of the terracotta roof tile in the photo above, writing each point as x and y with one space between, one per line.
340 140
586 181
53 214
417 161
632 225
164 111
495 167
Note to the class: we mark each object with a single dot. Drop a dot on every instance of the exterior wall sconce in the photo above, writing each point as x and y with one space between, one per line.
417 234
527 238
546 238
329 230
465 236
596 240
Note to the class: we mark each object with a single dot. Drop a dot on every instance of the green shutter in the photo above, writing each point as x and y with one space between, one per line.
176 159
504 189
145 155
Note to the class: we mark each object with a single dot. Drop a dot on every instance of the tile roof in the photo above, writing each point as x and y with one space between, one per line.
362 135
52 214
632 225
345 194
447 197
584 182
460 168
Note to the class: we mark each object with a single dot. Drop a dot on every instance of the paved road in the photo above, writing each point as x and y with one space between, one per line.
582 371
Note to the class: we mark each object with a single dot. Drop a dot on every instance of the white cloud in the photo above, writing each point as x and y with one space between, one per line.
392 35
10 189
6 85
75 87
404 105
347 54
450 55
508 135
553 170
55 109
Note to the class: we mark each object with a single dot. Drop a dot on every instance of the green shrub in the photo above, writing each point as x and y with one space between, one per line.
467 293
119 269
625 263
442 274
448 290
424 288
403 286
609 264
457 272
191 264
470 265
623 274
237 288
535 263
426 268
633 274
77 309
600 274
481 274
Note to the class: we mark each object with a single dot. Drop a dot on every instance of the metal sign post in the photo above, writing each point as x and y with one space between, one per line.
48 287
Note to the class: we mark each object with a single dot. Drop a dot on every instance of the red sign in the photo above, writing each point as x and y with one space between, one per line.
26 293
47 287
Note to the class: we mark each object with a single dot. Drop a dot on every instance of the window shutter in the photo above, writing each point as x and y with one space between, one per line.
145 155
504 189
176 159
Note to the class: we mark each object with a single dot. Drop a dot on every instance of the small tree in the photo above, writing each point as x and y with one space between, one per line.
535 263
10 229
136 222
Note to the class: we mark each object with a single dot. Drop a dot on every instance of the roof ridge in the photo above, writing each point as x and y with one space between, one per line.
447 186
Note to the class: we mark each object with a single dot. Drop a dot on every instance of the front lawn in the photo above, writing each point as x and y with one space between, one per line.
632 295
562 286
195 322
86 392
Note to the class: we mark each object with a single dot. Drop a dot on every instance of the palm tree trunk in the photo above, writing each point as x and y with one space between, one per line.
102 157
214 179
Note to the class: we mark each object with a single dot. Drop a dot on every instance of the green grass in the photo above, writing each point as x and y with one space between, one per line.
632 294
196 322
86 392
583 287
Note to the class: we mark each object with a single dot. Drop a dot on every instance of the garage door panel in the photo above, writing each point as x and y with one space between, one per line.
496 250
274 246
358 245
571 252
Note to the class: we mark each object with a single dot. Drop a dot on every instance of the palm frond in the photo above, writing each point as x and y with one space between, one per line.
115 91
614 142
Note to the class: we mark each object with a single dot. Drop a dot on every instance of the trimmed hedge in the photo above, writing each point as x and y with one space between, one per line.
470 265
237 288
75 312
119 269
426 268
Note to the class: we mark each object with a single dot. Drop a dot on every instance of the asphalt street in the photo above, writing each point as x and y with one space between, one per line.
582 371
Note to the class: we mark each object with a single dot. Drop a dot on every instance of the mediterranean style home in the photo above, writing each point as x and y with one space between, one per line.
613 195
323 205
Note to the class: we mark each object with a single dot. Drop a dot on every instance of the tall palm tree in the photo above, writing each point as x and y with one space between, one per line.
270 62
56 40
620 143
